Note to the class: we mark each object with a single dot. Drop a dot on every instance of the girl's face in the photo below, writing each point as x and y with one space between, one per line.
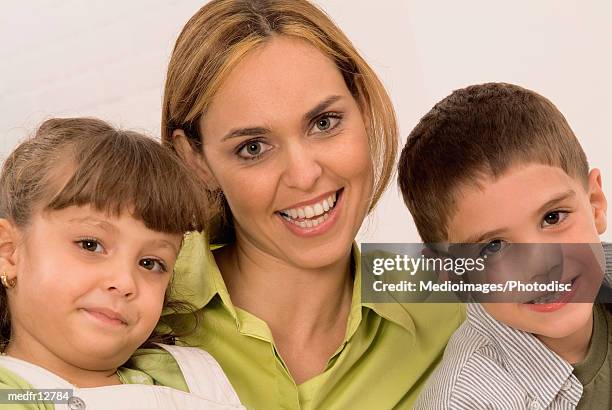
90 287
286 142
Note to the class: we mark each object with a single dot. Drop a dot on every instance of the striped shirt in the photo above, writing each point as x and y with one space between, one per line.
489 365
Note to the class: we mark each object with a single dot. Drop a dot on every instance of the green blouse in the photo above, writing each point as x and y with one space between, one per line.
388 351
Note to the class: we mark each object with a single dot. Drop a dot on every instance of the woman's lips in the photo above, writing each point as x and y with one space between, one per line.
314 219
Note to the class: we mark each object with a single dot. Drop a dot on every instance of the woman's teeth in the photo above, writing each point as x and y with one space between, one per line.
311 215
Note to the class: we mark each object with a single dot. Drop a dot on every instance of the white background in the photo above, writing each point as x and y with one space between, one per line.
108 59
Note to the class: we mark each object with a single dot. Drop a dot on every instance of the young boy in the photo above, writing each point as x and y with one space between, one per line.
497 164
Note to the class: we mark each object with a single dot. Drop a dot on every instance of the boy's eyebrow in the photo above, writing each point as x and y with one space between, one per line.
481 237
570 193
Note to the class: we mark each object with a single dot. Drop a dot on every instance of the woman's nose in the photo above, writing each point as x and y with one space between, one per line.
302 167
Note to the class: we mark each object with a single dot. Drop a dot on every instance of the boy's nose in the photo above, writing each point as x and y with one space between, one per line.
542 262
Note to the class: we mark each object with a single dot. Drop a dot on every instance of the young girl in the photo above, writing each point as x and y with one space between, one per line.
92 221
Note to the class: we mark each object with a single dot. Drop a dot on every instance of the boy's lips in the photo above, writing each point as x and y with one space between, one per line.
552 301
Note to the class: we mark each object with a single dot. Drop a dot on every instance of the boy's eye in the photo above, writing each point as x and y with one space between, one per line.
554 218
493 247
91 245
152 264
253 149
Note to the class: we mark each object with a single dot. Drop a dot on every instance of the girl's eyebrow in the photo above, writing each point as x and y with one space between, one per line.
100 223
162 243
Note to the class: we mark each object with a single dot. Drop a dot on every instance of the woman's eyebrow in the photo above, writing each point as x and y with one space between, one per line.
320 107
257 131
245 132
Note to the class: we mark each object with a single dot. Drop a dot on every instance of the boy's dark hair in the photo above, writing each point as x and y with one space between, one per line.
480 131
85 161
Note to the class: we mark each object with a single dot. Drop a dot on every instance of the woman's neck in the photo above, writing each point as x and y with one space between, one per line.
574 347
283 295
30 350
306 309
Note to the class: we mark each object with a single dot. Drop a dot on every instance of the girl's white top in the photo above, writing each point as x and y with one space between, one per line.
209 388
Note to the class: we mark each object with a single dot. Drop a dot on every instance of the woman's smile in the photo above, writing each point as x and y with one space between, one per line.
313 217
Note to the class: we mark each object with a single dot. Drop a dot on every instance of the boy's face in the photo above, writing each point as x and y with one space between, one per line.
539 204
90 287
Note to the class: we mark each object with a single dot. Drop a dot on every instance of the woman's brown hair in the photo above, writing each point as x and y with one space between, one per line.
85 161
222 32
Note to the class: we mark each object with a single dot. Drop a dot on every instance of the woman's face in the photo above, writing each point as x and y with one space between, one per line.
286 142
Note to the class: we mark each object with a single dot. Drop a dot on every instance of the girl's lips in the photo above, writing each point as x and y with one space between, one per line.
328 220
106 316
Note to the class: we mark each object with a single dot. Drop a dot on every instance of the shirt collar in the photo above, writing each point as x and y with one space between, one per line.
537 369
200 280
393 312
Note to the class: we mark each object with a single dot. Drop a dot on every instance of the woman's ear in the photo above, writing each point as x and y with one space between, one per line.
193 158
598 201
9 238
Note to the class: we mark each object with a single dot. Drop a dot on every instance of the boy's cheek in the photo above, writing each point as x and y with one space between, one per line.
514 315
558 324
506 313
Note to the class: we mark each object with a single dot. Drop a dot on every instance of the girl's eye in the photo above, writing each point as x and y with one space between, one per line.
253 149
152 264
554 218
326 122
493 247
91 245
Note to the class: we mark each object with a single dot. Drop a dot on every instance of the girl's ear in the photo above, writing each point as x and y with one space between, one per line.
193 158
598 201
9 237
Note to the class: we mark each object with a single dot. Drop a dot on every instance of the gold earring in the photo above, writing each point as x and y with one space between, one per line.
6 282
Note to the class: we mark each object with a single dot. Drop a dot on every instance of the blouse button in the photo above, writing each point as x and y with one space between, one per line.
534 405
567 385
76 403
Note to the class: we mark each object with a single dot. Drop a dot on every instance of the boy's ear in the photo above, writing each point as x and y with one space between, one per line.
193 158
598 201
9 237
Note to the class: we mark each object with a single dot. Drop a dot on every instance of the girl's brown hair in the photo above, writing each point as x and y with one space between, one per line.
85 161
222 32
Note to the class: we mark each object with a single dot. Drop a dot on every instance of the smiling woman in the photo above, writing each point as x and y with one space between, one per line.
295 137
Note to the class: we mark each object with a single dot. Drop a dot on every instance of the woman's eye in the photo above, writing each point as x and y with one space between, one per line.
493 247
253 149
91 245
153 264
554 218
326 122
